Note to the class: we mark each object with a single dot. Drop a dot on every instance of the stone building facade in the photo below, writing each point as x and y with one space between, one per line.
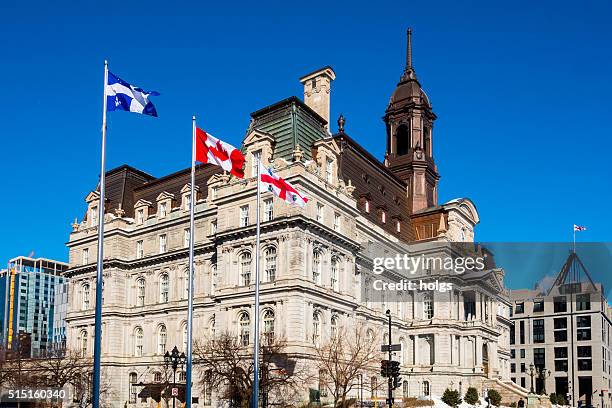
316 274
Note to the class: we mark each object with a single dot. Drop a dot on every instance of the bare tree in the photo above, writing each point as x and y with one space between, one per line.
82 384
345 356
228 366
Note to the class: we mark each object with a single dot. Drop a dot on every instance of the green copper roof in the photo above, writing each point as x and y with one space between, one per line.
290 122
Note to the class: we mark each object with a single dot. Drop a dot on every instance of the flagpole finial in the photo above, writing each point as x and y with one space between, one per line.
105 62
409 49
193 117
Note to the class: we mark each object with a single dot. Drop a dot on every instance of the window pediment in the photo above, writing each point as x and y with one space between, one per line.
142 203
92 196
165 196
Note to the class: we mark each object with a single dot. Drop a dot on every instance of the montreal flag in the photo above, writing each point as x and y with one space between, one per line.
281 188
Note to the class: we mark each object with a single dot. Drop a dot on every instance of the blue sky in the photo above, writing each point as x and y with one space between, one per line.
521 89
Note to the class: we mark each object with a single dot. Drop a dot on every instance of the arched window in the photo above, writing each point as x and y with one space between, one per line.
245 269
245 329
426 141
162 338
133 379
138 341
426 388
140 291
316 328
334 326
268 331
164 288
208 388
157 376
333 274
428 306
370 335
402 140
86 292
316 267
213 279
270 264
185 338
83 338
405 389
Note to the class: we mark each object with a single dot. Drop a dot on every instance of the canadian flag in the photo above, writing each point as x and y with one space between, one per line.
209 149
281 188
579 228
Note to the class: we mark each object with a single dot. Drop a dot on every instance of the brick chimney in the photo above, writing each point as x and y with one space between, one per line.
317 86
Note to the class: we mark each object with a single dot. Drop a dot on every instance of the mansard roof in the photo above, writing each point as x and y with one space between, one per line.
291 122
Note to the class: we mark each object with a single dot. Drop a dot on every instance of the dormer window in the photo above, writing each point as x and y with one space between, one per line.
398 226
93 216
85 259
163 209
256 159
383 216
140 216
329 170
187 202
367 206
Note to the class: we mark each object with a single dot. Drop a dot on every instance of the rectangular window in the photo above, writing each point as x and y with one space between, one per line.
538 331
519 308
560 336
244 215
538 306
561 365
268 209
560 352
522 332
319 212
512 367
367 206
186 237
163 244
94 216
398 226
584 327
523 382
523 368
256 160
336 222
513 353
583 302
163 210
139 249
539 357
512 333
329 167
522 353
187 202
585 362
140 216
383 217
85 257
560 323
560 303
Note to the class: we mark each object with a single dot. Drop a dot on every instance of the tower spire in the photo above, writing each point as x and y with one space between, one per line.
409 49
409 71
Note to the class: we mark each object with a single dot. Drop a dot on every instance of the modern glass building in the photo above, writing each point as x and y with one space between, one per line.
33 300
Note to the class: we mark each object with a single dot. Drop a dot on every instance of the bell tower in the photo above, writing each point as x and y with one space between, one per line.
409 120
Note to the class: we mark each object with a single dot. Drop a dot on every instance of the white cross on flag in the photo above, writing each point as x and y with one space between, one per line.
281 188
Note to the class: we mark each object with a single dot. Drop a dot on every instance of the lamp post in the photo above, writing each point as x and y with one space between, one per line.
544 374
532 373
174 359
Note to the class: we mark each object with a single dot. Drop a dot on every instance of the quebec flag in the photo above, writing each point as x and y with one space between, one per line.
122 96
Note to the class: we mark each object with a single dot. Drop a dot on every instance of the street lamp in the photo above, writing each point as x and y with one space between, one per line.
174 359
532 372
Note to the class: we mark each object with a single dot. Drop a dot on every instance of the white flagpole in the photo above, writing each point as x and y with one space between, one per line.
574 238
98 319
256 339
192 203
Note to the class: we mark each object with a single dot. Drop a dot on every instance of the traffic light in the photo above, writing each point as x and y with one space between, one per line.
384 368
396 382
395 373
